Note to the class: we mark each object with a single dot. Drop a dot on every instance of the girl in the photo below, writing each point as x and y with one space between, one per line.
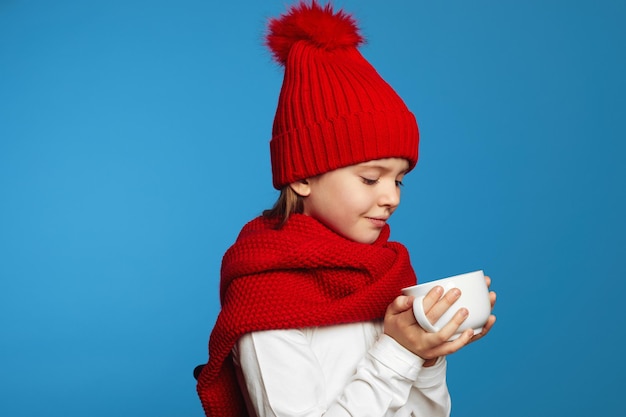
311 321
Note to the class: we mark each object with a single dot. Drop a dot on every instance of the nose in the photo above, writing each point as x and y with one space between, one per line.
389 195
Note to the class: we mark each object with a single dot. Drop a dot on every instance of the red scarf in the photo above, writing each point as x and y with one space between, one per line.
302 275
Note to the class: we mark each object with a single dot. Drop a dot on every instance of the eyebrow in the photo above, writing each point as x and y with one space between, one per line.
375 165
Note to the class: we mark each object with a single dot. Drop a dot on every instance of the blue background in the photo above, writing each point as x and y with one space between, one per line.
134 145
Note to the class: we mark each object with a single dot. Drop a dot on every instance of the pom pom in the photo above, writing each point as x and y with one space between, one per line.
318 25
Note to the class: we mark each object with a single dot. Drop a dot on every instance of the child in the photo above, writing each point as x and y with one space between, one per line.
312 322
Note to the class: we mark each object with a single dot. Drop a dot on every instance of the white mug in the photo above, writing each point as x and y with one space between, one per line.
474 297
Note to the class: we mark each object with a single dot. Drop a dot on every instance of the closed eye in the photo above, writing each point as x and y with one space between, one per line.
369 181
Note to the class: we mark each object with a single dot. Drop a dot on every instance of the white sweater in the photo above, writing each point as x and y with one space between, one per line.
343 370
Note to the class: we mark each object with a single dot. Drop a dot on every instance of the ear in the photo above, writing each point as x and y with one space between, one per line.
302 188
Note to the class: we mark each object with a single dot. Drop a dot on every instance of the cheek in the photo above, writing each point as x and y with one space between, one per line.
336 210
357 201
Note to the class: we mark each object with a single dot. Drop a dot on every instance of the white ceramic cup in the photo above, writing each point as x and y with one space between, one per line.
474 297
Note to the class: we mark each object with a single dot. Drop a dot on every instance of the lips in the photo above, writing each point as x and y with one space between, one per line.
378 221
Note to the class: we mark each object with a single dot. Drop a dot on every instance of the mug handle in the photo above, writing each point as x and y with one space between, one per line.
420 315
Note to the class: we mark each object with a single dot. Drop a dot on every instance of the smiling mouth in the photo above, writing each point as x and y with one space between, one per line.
379 222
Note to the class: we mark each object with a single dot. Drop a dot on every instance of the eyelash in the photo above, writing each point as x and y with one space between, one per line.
369 181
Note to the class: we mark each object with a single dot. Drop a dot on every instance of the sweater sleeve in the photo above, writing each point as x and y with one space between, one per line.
284 376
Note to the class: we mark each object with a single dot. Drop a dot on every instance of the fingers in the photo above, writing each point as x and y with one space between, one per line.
440 344
400 323
452 326
400 304
432 297
399 314
437 344
434 310
490 322
486 328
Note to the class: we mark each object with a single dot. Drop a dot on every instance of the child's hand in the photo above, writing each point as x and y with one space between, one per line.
400 324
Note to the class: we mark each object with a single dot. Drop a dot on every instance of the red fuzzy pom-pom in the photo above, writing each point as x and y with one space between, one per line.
315 24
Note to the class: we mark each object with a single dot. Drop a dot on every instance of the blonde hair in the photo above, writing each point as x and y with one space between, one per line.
288 203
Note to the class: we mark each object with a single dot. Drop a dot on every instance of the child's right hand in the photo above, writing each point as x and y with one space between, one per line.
400 324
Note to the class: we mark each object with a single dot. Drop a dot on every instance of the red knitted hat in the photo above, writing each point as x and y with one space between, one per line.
334 109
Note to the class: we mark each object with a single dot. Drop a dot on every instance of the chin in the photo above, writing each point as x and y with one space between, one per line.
360 236
369 239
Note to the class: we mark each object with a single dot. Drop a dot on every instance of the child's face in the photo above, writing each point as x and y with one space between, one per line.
357 200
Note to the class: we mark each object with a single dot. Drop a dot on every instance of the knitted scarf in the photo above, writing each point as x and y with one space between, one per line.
302 275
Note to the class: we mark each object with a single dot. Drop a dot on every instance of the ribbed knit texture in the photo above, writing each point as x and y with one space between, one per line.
302 275
334 109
